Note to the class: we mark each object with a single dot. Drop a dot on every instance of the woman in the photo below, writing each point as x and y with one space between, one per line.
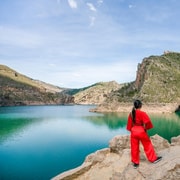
138 123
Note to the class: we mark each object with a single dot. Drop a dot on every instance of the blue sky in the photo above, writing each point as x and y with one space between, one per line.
76 43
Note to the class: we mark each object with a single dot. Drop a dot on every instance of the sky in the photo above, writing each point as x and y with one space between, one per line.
76 43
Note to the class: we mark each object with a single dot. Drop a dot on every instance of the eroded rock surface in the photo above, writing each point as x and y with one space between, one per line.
114 163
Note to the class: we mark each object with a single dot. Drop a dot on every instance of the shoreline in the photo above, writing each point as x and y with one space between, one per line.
127 107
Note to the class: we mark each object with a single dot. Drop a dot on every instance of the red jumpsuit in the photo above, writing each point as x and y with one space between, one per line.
138 133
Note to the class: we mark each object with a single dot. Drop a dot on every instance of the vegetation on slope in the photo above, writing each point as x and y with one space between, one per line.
96 93
17 89
157 81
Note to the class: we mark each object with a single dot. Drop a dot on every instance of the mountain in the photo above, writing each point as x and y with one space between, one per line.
157 82
158 78
97 93
17 89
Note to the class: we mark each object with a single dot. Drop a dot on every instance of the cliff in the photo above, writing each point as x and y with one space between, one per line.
157 85
113 163
158 78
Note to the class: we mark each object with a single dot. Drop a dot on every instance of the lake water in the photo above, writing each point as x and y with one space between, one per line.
39 142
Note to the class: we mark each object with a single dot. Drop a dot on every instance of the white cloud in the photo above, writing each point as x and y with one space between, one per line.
92 20
72 4
91 7
131 6
99 2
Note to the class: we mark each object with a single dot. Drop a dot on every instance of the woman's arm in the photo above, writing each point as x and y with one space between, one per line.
147 122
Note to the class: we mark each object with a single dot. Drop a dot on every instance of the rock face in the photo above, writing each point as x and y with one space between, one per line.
113 163
158 78
157 82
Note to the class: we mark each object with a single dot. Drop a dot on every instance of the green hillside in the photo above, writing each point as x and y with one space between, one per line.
157 81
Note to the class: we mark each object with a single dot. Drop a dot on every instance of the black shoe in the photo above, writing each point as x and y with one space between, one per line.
157 160
135 165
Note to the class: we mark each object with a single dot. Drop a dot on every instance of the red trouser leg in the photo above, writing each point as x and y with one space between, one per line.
134 149
138 134
148 148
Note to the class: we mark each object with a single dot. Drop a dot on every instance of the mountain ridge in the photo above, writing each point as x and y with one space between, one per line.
157 81
157 84
18 89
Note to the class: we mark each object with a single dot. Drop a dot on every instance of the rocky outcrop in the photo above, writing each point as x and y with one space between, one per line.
142 74
113 163
157 82
158 78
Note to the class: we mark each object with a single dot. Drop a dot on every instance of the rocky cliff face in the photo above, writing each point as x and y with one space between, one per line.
158 78
113 163
157 82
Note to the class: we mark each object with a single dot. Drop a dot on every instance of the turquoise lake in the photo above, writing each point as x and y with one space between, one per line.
39 142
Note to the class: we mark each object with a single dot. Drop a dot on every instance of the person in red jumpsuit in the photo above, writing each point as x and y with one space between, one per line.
138 123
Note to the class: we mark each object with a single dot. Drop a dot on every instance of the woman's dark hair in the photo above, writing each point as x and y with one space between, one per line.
137 105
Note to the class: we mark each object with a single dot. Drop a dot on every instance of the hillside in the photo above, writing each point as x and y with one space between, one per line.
158 78
157 82
96 93
17 89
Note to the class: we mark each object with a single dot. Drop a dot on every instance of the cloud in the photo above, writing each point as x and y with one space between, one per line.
91 7
131 6
72 4
92 20
99 2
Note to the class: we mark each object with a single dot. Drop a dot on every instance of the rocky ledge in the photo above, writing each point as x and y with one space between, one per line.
113 163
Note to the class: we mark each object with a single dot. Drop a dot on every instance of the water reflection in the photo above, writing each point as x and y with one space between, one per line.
111 120
166 125
178 113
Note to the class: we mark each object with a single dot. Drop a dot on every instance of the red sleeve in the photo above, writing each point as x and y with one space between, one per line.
129 123
147 121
